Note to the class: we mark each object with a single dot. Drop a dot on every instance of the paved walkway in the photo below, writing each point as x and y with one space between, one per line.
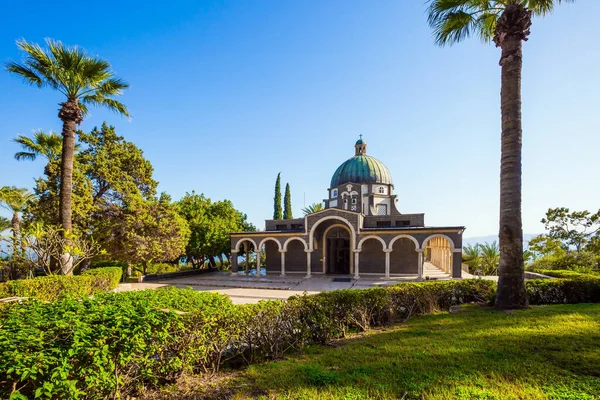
251 289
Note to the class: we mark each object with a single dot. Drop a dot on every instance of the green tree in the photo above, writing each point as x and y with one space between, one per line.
84 81
313 208
471 256
277 213
287 203
210 225
507 23
543 245
573 228
148 231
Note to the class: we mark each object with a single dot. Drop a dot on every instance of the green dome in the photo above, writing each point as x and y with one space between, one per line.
361 169
359 141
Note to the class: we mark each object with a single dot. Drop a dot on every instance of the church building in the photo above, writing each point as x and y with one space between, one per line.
360 232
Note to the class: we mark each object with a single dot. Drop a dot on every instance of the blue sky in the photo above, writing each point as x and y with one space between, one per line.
225 94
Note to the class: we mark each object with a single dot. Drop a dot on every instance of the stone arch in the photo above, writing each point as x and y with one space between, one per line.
440 235
324 247
239 243
311 235
285 245
359 245
415 241
267 239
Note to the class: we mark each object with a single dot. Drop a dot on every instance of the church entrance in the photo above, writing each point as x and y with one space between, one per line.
338 251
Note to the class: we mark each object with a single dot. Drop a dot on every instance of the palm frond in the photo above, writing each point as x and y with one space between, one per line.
543 7
15 199
45 144
455 20
80 77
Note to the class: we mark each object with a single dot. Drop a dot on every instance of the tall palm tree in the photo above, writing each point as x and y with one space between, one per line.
15 200
47 145
507 23
83 80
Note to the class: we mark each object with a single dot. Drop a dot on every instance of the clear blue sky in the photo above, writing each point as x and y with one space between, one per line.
225 94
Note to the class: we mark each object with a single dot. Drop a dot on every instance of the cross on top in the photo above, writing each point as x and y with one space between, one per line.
360 135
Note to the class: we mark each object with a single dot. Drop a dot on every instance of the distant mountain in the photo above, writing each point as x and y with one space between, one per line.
471 241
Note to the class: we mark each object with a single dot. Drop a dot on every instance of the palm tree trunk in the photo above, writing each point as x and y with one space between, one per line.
71 115
512 29
16 233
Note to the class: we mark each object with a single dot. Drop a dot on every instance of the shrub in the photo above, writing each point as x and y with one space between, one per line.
558 273
52 287
584 289
582 261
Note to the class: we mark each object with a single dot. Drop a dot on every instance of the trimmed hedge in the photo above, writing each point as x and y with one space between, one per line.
580 289
53 287
565 273
112 345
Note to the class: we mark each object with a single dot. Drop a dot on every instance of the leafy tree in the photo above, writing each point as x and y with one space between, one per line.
507 23
543 245
277 213
287 203
482 258
471 256
573 228
313 208
210 224
83 80
148 231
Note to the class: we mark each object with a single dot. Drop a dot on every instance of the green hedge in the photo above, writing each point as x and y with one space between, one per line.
565 273
579 289
53 287
115 343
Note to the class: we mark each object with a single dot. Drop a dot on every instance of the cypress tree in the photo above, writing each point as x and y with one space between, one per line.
277 200
287 203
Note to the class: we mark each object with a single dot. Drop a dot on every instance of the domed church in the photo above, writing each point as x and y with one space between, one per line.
360 233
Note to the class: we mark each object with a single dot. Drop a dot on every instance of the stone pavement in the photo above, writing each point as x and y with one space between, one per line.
251 289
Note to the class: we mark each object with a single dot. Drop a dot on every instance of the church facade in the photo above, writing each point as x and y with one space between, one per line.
360 232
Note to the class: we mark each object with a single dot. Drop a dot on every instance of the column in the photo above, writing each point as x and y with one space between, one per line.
387 262
356 253
257 263
247 249
420 266
282 251
308 267
443 257
234 262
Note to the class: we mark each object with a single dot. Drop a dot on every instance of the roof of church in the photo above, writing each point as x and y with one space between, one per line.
361 169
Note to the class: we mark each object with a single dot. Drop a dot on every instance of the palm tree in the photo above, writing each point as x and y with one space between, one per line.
83 80
15 200
4 224
490 258
471 256
313 208
47 145
507 23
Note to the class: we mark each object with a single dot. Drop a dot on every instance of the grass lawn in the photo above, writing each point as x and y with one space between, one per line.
544 352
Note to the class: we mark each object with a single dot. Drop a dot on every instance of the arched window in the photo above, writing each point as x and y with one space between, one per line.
381 190
334 193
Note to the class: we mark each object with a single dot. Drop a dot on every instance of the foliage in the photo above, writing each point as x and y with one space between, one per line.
114 344
582 261
210 225
482 258
454 21
70 71
313 208
287 203
53 287
47 145
543 245
573 228
565 273
46 246
277 213
148 231
579 289
4 224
